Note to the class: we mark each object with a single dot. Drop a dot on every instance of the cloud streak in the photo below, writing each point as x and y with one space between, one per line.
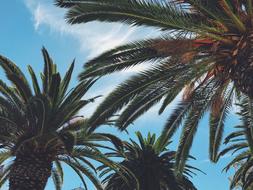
92 37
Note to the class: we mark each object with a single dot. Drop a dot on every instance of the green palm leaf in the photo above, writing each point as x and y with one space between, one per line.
133 12
217 126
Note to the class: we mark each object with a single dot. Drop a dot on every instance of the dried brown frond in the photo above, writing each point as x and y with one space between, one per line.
173 47
186 57
223 4
188 91
217 105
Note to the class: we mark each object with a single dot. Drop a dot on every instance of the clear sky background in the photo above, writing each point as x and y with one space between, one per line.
27 25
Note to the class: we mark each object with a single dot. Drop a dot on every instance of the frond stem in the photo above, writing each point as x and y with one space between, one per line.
249 7
239 24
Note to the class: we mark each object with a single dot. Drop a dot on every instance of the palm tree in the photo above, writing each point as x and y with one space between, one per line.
205 49
241 145
152 166
40 128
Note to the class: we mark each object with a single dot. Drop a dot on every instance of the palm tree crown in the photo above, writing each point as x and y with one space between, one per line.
206 49
40 128
151 164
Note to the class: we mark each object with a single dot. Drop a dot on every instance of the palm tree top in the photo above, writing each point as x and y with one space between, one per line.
205 51
148 162
40 126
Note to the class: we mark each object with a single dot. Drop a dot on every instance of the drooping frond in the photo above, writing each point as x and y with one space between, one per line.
217 125
84 170
164 16
56 179
130 55
203 99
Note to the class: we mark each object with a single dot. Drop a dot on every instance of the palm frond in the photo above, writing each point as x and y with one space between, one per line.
165 16
36 86
56 179
217 126
203 99
84 170
130 55
127 91
17 77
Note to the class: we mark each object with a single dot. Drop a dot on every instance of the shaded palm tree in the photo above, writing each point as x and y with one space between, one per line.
205 49
241 146
151 164
40 128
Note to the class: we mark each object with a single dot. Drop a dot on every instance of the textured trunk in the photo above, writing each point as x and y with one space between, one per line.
242 73
243 79
30 172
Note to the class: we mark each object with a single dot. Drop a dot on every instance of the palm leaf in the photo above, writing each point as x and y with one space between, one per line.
217 126
165 16
56 179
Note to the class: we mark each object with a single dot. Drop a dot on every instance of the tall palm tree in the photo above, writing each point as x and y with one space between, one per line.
40 128
152 166
241 145
205 49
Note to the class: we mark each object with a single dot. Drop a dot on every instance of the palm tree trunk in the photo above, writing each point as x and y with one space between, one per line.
30 171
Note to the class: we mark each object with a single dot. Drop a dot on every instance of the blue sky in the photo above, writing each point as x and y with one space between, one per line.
27 25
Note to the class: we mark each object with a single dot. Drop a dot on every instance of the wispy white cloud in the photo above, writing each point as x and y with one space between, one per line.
92 37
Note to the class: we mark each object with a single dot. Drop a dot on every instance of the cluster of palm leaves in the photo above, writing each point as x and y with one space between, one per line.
205 51
41 131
